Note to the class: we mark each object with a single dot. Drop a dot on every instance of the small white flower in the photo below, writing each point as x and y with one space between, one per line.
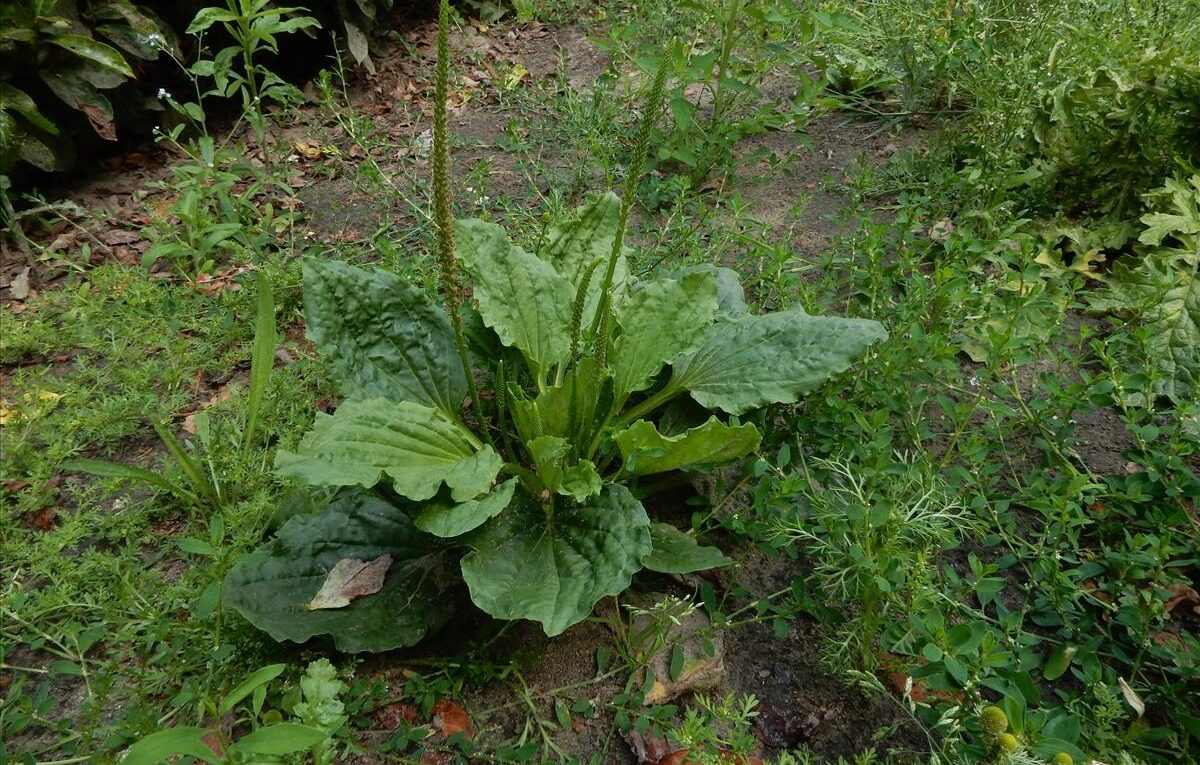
162 93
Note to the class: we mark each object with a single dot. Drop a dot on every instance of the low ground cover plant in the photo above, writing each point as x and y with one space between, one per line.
534 485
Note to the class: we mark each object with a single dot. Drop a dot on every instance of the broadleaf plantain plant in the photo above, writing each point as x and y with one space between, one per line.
525 492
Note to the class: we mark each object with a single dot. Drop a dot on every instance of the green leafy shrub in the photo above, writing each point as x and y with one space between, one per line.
528 498
1109 136
71 52
1159 293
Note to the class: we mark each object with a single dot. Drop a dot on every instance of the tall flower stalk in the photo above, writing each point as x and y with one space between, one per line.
443 218
602 325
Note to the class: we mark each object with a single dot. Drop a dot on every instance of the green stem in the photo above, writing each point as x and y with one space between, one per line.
443 218
652 403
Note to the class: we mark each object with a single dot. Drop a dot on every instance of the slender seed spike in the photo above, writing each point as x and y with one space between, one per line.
578 308
602 326
443 218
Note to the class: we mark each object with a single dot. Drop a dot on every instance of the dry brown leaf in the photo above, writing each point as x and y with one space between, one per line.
46 518
350 579
390 716
1181 593
19 286
650 749
699 670
449 718
941 230
120 236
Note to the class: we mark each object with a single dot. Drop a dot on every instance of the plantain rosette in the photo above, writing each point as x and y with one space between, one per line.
533 509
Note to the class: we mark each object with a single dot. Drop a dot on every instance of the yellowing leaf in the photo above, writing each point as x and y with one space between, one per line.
308 148
514 76
349 579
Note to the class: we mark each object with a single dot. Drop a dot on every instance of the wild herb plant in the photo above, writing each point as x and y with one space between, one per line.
315 716
204 485
718 64
214 204
533 480
871 542
254 27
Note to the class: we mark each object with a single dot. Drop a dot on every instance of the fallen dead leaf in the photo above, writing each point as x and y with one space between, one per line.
1170 641
120 236
650 749
350 579
45 519
698 670
213 741
449 718
19 286
212 284
941 230
390 716
1131 697
1182 593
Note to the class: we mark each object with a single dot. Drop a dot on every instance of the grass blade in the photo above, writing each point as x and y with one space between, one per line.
192 470
262 358
107 469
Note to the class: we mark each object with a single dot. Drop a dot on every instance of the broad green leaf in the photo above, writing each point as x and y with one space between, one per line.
206 17
731 298
93 50
78 93
1162 293
19 101
381 336
660 321
159 747
257 678
415 446
40 153
771 359
645 451
521 297
278 739
1059 661
271 586
553 406
137 30
583 238
674 552
554 568
550 455
454 519
1185 217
